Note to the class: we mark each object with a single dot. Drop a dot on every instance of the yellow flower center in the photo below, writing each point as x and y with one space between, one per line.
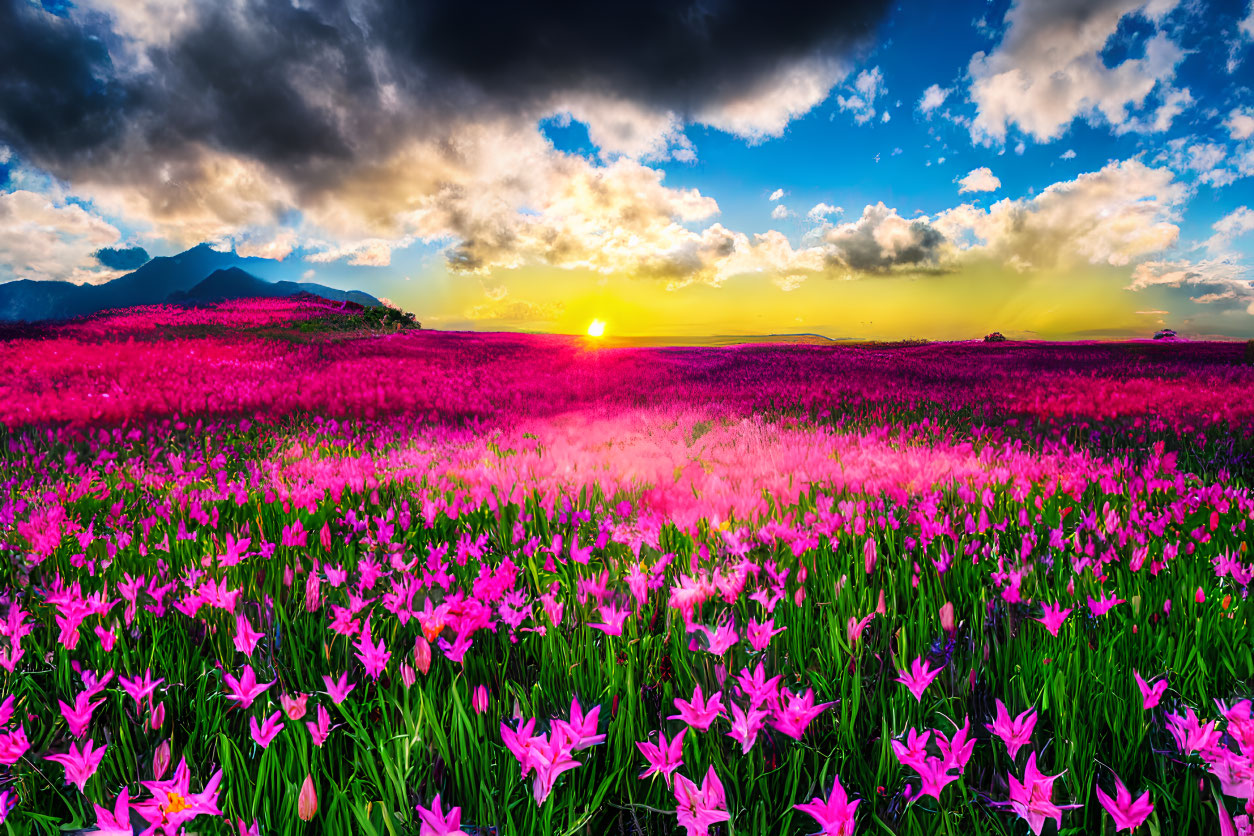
175 803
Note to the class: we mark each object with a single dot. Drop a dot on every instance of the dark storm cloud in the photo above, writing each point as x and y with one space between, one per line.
882 240
306 89
126 258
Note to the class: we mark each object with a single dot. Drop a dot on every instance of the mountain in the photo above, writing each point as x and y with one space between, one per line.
152 284
234 283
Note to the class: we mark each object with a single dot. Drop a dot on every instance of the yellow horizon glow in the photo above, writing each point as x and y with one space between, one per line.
596 328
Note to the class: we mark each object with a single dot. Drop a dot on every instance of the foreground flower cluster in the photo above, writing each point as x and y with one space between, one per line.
446 584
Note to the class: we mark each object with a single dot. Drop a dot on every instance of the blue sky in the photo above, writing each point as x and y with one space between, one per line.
1099 152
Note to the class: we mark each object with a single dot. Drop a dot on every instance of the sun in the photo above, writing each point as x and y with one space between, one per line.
596 328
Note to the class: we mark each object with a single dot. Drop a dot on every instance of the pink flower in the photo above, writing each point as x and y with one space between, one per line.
374 657
699 712
664 757
697 809
435 822
1015 733
1150 694
957 750
479 700
1032 798
115 822
1190 734
293 707
80 764
320 730
245 689
918 678
246 637
173 803
745 726
338 690
1128 814
268 729
79 717
1053 617
13 745
1103 605
139 688
835 814
614 618
581 729
793 718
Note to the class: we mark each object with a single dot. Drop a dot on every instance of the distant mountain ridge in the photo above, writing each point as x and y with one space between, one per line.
166 279
234 283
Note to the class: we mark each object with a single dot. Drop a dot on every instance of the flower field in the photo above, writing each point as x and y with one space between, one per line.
265 574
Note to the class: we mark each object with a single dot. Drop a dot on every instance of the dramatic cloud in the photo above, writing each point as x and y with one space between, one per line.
979 180
1114 216
267 124
881 240
128 258
40 239
1223 281
1048 69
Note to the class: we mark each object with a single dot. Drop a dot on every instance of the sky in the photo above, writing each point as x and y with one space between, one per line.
1052 169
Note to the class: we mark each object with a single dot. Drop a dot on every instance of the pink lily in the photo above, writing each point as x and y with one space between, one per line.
435 822
78 718
1015 733
1150 694
13 745
699 712
375 658
835 814
115 822
294 707
793 718
245 689
1032 798
918 678
581 729
338 690
139 688
745 726
697 809
268 729
759 689
1127 814
664 757
320 730
1053 617
173 803
934 774
958 749
914 750
80 764
1190 734
246 637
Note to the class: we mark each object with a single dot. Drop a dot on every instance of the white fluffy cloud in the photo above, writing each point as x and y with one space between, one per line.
45 239
866 88
1230 227
767 108
1240 123
979 180
1114 216
1048 69
933 97
1221 280
780 212
776 195
820 211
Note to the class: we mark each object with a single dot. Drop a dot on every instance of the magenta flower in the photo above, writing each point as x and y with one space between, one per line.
835 814
80 764
1128 814
374 657
1015 733
745 726
614 618
115 822
957 750
1190 734
267 731
934 774
246 637
321 729
13 745
792 719
697 809
294 706
1053 617
1150 694
759 689
581 729
245 689
665 756
914 750
79 717
435 822
699 712
140 688
338 690
1032 798
919 677
173 803
1103 604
